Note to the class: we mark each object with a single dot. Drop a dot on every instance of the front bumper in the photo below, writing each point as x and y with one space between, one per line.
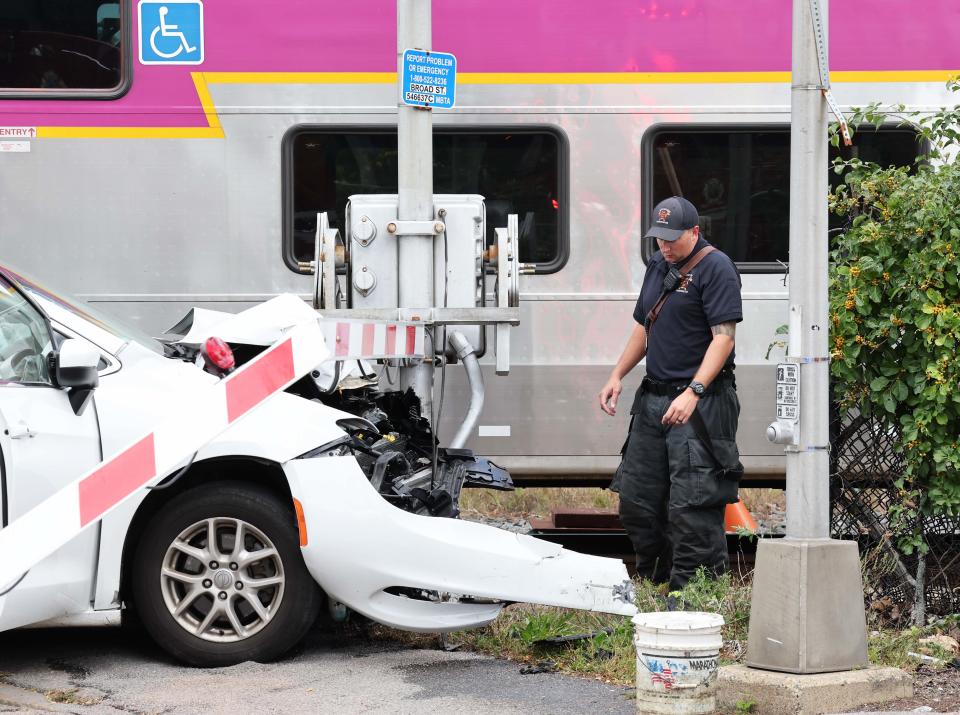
359 545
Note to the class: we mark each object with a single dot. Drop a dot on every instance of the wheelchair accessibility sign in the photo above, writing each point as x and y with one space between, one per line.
171 32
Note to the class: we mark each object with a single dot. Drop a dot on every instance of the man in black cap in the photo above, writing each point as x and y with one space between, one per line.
680 463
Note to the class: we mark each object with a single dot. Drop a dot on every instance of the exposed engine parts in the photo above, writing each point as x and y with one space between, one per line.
397 453
391 439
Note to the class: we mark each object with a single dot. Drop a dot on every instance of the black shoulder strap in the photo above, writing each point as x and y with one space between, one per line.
684 272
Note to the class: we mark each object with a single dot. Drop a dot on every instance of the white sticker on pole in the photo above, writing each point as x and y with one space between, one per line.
788 392
85 501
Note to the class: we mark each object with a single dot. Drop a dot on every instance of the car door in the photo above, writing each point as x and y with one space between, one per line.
43 446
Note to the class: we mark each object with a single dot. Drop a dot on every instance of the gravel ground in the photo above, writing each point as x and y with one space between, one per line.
106 671
774 522
770 515
935 689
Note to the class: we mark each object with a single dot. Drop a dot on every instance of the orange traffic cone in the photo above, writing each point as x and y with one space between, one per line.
738 517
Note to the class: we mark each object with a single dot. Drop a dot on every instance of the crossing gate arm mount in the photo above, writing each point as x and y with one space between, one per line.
819 34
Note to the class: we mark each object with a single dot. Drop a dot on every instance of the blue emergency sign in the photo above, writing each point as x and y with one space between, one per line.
171 32
429 79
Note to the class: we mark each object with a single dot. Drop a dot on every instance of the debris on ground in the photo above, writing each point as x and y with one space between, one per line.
942 641
557 640
543 666
926 658
937 690
447 645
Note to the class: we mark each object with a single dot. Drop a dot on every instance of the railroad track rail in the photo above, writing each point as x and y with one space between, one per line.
601 534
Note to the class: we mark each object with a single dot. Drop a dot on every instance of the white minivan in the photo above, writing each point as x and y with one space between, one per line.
321 495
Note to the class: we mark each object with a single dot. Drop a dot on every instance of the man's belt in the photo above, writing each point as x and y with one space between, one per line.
666 388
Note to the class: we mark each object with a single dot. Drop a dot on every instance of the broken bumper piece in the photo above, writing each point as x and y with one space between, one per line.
377 559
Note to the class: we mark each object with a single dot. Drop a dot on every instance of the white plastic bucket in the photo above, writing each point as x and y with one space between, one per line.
677 657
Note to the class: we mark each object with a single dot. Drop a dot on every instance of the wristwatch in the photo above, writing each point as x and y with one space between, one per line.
697 387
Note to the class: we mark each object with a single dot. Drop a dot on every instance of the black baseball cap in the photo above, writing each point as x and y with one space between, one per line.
671 217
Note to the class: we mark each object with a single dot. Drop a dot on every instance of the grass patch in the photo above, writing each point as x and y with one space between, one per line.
890 647
609 655
728 595
904 649
537 502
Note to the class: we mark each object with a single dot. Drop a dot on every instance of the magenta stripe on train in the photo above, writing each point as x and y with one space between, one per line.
512 36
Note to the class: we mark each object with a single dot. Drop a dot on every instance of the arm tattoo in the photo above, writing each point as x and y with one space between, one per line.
728 328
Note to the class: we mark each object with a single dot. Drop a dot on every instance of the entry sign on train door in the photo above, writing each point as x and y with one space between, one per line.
171 32
429 79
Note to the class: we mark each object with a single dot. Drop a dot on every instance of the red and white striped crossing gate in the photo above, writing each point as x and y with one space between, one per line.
373 339
83 502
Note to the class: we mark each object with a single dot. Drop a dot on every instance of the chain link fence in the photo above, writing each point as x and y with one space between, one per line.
864 465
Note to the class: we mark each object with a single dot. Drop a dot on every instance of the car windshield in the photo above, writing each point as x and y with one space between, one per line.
84 310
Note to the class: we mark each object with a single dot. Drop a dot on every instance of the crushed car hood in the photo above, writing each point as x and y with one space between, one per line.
262 325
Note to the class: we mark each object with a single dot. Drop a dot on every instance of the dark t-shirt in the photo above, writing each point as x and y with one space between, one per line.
679 339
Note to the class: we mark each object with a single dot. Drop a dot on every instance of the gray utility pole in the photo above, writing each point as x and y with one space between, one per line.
807 614
808 464
415 200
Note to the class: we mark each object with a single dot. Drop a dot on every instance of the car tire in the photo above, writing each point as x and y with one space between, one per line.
197 596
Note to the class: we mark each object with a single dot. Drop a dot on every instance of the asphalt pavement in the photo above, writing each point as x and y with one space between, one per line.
101 671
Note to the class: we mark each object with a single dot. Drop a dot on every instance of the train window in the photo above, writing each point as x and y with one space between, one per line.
518 170
62 48
739 180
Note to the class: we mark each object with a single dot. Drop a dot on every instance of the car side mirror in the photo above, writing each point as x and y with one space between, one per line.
75 366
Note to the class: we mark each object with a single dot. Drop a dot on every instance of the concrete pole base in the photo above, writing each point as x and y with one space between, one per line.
807 614
788 694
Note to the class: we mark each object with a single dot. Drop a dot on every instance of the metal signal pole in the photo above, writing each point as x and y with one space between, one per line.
415 185
807 613
808 463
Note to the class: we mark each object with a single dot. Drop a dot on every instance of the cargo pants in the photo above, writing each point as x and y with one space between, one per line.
673 494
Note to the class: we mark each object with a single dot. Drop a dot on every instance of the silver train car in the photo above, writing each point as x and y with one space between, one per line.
147 177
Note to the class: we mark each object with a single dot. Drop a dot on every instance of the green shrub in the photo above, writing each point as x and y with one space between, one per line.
895 308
